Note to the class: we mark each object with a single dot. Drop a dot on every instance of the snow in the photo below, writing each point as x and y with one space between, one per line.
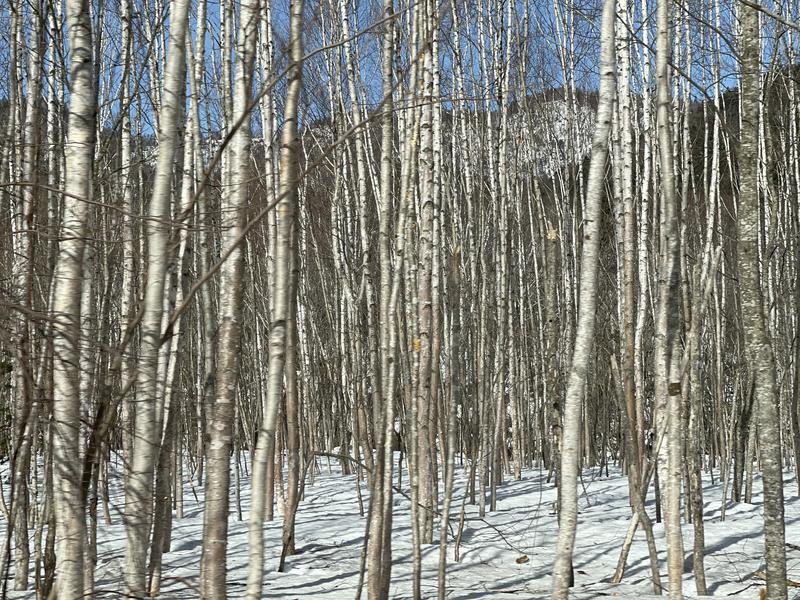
330 532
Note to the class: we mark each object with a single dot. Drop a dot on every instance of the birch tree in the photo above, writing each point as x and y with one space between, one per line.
68 286
215 530
667 368
148 404
287 202
380 525
584 335
750 264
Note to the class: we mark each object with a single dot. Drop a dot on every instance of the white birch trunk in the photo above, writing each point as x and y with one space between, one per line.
221 422
68 285
756 337
584 336
281 296
148 420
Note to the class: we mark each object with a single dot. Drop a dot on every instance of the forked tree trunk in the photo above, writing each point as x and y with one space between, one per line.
628 300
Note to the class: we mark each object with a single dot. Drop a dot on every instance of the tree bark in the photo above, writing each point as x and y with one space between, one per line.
287 202
379 551
758 348
148 407
667 369
221 421
68 281
584 335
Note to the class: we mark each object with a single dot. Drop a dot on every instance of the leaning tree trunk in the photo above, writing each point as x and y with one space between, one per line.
756 337
584 336
148 417
68 282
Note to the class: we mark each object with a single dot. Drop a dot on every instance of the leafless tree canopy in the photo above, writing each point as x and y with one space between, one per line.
429 240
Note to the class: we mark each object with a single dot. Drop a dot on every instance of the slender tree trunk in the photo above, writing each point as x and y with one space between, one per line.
292 405
454 401
221 426
379 550
667 369
584 336
287 202
756 337
422 409
148 408
27 408
127 266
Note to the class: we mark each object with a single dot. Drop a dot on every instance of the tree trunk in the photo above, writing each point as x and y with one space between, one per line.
756 338
584 336
287 202
379 551
149 409
667 368
221 423
292 406
68 281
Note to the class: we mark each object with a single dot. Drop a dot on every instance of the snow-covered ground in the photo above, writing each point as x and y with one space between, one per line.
330 533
